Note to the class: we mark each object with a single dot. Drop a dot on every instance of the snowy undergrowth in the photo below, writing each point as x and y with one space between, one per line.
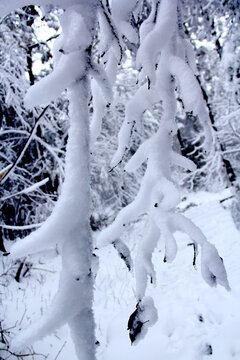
194 320
23 303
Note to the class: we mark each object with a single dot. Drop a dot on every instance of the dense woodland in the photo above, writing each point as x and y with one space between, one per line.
111 113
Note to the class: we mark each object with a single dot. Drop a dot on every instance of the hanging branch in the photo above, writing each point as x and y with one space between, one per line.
114 31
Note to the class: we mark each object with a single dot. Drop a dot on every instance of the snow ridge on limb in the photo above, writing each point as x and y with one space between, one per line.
212 266
144 268
110 48
123 252
121 13
100 101
157 39
135 108
148 24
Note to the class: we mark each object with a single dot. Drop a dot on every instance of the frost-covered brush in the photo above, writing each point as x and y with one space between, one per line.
25 134
167 61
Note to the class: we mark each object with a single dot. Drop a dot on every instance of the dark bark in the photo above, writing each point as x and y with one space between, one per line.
226 163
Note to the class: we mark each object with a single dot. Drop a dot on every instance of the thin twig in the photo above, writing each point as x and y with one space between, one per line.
14 354
236 133
194 252
64 344
24 313
7 174
23 227
114 31
116 165
43 42
131 133
36 268
31 188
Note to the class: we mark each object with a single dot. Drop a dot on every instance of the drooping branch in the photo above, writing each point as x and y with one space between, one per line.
158 194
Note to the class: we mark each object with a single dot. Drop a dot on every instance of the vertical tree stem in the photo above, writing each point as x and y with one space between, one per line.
77 249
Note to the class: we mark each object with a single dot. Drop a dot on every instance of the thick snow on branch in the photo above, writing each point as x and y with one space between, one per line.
143 265
212 267
157 39
99 100
141 101
191 95
69 65
121 12
157 197
148 25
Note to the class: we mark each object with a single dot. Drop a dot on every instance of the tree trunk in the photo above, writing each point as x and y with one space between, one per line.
77 249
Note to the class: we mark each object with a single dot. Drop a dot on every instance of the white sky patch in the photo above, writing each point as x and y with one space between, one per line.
43 33
207 44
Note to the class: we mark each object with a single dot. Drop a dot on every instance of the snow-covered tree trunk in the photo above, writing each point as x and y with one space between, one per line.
69 225
77 248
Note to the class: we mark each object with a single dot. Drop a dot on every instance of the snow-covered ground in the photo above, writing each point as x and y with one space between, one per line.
194 320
